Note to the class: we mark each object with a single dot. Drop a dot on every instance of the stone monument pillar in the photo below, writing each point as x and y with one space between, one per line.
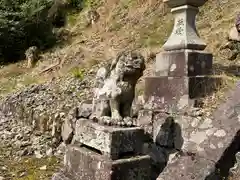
182 70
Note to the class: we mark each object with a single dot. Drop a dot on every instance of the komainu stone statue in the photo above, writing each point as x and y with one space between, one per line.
92 17
115 89
32 56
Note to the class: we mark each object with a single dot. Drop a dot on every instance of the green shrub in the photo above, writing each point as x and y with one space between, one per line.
24 23
77 73
76 4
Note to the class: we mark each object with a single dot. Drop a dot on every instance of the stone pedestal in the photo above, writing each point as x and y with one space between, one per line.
174 94
84 164
182 76
182 80
184 62
113 142
101 152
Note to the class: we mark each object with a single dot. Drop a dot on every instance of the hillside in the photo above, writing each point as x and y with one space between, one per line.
143 25
135 24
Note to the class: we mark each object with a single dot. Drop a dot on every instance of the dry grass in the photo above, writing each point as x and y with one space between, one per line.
214 23
29 168
14 77
211 102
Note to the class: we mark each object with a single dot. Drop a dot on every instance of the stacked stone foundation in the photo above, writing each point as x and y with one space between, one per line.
181 78
101 152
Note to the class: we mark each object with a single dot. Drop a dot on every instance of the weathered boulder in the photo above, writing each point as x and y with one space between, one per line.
211 141
187 167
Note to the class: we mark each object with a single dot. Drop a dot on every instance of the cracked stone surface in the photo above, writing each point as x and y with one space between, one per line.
214 139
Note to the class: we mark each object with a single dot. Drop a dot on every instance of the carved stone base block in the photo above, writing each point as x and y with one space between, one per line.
174 94
112 142
183 63
84 164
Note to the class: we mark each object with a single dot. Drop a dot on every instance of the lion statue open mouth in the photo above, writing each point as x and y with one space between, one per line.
115 89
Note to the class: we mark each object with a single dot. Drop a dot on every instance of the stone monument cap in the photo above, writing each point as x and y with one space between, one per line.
177 3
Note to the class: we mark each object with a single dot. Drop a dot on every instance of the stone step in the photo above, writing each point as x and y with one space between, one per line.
84 164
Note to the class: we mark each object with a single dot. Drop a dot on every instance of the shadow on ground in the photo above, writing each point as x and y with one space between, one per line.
169 140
